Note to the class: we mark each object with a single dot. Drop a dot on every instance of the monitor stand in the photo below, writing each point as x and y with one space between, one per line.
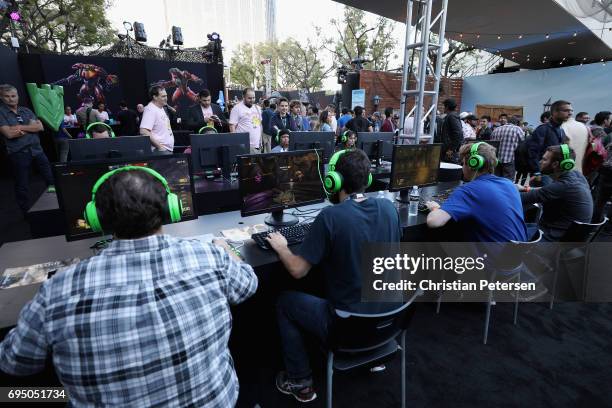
279 219
403 196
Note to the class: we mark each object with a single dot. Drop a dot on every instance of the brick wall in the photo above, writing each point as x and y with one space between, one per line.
388 86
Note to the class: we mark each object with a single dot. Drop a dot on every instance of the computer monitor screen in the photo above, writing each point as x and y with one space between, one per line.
274 181
75 180
313 140
109 148
414 165
377 145
217 151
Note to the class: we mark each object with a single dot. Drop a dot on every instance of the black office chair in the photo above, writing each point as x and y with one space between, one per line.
358 340
578 232
510 272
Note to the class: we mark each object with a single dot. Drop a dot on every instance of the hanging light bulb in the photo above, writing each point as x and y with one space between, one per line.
547 36
477 35
520 36
460 35
499 37
575 34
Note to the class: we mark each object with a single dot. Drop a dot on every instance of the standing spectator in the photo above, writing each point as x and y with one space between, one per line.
545 117
19 127
266 117
294 111
468 127
139 111
502 120
305 118
602 120
332 113
359 123
583 117
603 192
376 122
205 113
128 120
61 143
155 122
387 125
324 122
86 114
343 120
509 137
246 117
548 134
281 120
102 114
70 119
484 131
451 134
578 139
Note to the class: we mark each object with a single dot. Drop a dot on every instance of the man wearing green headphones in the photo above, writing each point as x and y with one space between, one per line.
334 244
488 207
566 199
148 318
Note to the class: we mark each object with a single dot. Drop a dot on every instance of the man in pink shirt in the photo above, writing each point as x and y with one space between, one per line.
155 122
246 118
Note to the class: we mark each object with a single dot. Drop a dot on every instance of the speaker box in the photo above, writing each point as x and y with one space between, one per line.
139 32
177 36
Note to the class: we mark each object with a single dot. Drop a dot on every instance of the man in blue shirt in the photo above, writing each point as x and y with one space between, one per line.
342 120
19 127
334 243
489 207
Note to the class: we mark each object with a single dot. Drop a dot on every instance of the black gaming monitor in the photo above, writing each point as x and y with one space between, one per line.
75 180
272 182
414 165
326 141
214 151
495 144
109 148
377 145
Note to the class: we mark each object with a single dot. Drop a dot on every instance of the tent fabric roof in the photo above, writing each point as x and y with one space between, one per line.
522 25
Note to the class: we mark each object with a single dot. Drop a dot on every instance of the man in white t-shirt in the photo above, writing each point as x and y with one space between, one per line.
155 122
246 118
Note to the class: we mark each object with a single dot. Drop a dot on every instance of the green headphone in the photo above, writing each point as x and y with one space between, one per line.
203 128
475 161
567 163
344 137
333 180
110 129
277 138
91 213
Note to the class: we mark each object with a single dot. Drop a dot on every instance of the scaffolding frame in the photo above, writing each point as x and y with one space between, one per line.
423 25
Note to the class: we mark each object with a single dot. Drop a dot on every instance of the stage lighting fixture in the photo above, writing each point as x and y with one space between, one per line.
139 32
177 36
214 37
342 73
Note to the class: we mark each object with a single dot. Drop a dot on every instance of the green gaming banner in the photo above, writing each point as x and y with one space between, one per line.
48 103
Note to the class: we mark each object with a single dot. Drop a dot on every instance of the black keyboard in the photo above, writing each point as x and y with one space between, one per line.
293 234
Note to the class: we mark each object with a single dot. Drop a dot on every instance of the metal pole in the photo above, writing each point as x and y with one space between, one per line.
438 71
405 73
420 101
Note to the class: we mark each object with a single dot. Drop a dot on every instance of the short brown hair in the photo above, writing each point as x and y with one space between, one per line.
294 103
486 151
557 156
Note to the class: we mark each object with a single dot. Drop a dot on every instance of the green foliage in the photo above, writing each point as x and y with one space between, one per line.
63 26
293 65
355 38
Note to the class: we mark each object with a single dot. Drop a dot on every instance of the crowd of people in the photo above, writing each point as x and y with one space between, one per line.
128 303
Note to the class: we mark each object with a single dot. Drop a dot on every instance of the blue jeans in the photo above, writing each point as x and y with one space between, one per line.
21 162
299 313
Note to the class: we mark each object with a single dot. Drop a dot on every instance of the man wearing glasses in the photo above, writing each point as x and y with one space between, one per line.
19 127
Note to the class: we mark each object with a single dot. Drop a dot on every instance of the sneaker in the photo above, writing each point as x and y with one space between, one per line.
301 389
51 189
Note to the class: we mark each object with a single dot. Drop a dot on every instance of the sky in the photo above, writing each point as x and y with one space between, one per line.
291 21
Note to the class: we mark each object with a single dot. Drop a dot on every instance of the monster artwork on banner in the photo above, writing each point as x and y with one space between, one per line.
94 81
179 79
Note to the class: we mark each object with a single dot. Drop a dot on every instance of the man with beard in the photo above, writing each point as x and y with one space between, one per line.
246 118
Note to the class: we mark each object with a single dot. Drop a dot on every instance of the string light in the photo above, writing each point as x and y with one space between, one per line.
547 36
499 37
460 35
477 35
520 36
575 34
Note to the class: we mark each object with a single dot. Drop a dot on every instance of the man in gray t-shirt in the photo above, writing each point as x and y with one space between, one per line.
566 199
19 127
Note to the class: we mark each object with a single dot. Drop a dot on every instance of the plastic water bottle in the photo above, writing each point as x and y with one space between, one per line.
414 201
